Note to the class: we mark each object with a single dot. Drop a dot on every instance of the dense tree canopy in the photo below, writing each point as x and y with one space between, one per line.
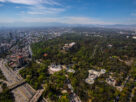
91 52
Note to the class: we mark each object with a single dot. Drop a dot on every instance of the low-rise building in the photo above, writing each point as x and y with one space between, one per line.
21 61
110 45
134 37
89 81
67 47
54 68
71 70
111 81
93 75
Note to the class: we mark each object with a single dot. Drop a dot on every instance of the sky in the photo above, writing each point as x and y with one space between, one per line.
103 12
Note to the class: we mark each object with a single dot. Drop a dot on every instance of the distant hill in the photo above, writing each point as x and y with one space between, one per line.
56 24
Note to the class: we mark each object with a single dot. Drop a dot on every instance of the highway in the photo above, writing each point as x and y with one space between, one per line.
37 95
22 93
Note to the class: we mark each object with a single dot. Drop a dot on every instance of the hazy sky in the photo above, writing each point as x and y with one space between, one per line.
68 11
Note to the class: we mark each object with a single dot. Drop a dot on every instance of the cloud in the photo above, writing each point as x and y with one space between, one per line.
32 2
41 10
2 0
47 8
37 7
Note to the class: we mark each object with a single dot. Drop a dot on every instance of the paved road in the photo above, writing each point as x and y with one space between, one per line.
73 96
37 95
23 93
132 94
94 51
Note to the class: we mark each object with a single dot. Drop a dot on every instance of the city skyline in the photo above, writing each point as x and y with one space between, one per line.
21 12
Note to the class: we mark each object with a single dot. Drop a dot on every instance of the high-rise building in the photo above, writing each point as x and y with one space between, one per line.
21 61
11 35
3 49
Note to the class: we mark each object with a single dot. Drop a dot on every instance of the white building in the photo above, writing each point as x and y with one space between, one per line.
68 46
71 70
110 46
111 81
54 68
103 71
93 75
89 81
72 44
134 37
